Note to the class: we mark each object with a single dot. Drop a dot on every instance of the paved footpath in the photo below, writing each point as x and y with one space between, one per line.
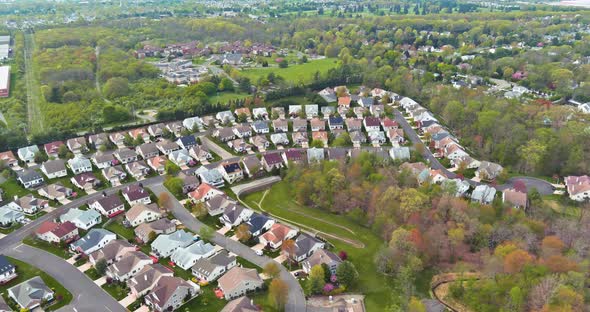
296 301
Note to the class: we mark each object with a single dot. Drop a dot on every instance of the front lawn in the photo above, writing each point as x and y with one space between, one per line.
376 287
205 302
117 290
61 252
92 274
25 272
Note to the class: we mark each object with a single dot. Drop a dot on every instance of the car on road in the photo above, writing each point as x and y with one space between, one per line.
259 252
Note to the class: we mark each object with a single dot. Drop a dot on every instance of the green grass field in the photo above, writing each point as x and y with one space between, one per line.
223 98
375 286
51 248
26 271
117 227
300 73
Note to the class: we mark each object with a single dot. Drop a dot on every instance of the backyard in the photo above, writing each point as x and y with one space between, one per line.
25 272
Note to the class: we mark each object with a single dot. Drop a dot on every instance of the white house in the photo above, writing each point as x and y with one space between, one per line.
187 257
54 168
80 164
82 219
140 213
165 244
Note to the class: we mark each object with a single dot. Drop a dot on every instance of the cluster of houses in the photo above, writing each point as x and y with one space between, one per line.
192 49
29 294
181 71
578 187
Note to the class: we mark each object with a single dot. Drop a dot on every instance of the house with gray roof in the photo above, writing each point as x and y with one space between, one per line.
210 176
31 293
319 257
311 110
225 117
170 293
192 123
103 160
114 174
54 168
30 178
459 186
279 139
129 265
160 226
10 216
80 164
126 155
483 194
147 150
315 155
187 257
305 246
210 269
233 215
147 278
260 127
27 154
94 240
82 219
165 244
259 223
488 170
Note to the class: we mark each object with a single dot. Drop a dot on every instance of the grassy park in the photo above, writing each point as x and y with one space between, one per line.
299 73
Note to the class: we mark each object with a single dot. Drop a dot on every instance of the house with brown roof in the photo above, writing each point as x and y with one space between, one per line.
108 205
299 125
140 213
77 145
170 293
515 198
200 153
160 226
166 146
98 140
280 125
9 159
238 281
260 142
156 130
300 138
112 252
147 150
28 204
318 124
321 136
114 174
243 304
147 278
57 232
189 182
54 168
224 134
209 269
203 192
140 133
218 204
578 187
129 265
252 165
52 149
55 191
243 110
136 194
388 123
126 155
276 235
353 124
319 257
239 145
138 169
118 139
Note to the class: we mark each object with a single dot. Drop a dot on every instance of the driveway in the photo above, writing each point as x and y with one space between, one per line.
296 301
87 296
127 300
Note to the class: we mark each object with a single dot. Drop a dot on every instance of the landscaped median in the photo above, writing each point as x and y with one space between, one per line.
25 271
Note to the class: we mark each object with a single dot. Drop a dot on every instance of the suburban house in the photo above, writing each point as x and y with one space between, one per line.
52 148
31 293
337 153
295 110
377 110
466 161
181 158
9 159
335 123
77 145
147 150
300 138
80 164
204 192
156 130
578 187
460 186
260 127
365 101
239 145
126 155
165 244
218 203
225 117
28 204
238 281
114 175
112 252
131 263
27 154
98 140
175 127
260 142
86 181
7 270
454 151
488 171
279 139
252 165
328 111
160 226
167 146
186 257
278 233
272 161
224 134
118 139
371 124
311 110
140 213
377 137
158 163
243 111
515 198
242 131
328 94
305 246
234 215
299 125
353 124
280 125
94 240
189 182
200 153
147 278
344 101
192 123
30 178
260 113
82 219
388 124
108 205
55 191
396 136
187 141
138 169
170 293
9 216
210 269
399 153
319 257
57 232
360 112
140 133
231 171
103 160
483 194
54 168
279 112
321 136
259 223
294 156
315 155
136 194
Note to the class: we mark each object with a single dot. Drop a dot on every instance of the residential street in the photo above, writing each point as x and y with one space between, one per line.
87 296
296 302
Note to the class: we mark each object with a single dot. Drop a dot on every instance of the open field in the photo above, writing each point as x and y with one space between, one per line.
300 73
377 288
25 272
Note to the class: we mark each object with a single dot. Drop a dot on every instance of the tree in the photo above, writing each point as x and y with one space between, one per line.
101 267
206 233
283 63
174 185
316 280
243 232
317 144
342 140
116 87
415 305
515 261
347 274
199 210
40 157
164 200
244 84
288 247
226 84
62 151
552 245
272 270
171 168
412 200
278 293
